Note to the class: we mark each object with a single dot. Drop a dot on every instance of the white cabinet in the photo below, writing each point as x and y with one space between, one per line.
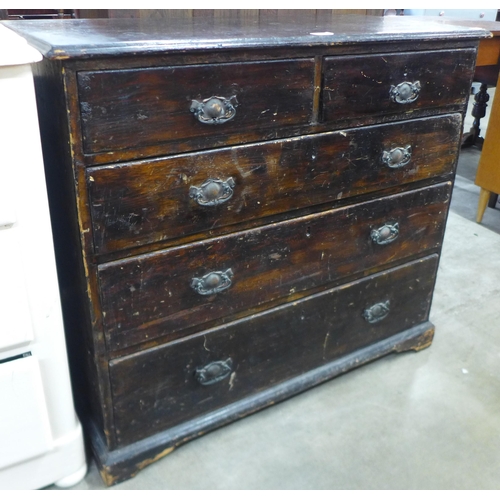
41 440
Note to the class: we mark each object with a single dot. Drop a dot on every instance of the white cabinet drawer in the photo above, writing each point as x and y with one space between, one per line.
25 430
15 318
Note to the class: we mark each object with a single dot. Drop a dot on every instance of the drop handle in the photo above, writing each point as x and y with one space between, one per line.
213 282
385 234
213 192
214 372
214 110
405 92
397 157
377 312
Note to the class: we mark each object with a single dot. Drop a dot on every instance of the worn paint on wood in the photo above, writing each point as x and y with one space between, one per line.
137 203
151 295
137 330
157 388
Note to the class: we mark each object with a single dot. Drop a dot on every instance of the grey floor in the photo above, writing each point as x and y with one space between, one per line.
426 420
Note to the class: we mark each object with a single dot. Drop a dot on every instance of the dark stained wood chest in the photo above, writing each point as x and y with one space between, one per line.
241 212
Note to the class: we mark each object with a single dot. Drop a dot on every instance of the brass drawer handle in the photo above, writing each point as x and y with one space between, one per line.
377 312
397 157
214 372
405 92
385 234
213 192
213 282
214 110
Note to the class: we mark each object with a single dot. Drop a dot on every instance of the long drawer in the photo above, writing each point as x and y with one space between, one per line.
209 105
161 293
151 201
165 386
401 85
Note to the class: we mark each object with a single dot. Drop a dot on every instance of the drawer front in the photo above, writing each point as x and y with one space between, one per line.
395 84
166 386
161 293
127 109
151 201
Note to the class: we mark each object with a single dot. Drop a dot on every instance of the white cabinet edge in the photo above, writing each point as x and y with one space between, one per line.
19 51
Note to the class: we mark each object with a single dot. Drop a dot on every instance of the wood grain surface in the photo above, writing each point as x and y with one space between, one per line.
150 296
356 87
157 388
137 203
125 109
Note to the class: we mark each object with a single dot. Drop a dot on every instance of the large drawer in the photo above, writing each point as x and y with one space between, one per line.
128 109
401 85
164 292
172 384
151 201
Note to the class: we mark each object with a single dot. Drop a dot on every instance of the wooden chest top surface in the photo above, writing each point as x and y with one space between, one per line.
84 38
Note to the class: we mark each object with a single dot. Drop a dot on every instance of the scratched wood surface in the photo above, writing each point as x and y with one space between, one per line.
151 295
84 39
144 202
133 108
356 87
157 389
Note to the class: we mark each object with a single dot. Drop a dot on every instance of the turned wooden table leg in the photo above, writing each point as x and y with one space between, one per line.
484 198
478 112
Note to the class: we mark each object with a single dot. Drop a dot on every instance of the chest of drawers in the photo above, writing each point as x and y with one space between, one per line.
241 212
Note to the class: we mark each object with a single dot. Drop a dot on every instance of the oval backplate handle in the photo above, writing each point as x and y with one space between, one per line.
385 234
405 92
377 312
397 157
213 282
214 110
214 372
213 192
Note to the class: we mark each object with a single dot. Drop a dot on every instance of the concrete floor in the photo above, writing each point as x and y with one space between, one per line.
426 420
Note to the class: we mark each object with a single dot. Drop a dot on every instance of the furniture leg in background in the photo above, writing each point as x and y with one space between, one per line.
488 170
472 138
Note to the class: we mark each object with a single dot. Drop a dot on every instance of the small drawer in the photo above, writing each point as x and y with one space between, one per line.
162 293
197 106
365 87
137 203
165 386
